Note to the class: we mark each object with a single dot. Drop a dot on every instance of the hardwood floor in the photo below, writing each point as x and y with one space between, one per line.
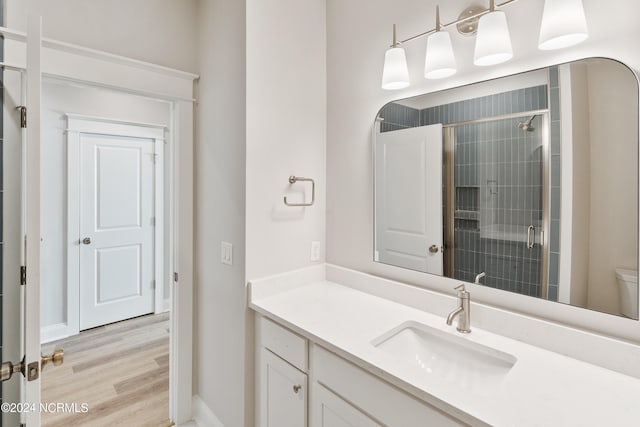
120 370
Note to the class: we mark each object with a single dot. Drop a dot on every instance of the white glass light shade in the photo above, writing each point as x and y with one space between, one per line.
395 74
493 43
563 24
440 61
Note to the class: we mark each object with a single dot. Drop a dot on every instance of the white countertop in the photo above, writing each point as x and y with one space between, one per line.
542 388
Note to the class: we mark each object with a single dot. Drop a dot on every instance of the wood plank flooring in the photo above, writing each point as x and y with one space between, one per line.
120 370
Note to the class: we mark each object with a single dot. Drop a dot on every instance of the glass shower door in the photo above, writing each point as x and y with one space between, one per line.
497 210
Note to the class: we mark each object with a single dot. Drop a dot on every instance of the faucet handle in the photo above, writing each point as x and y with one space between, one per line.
462 291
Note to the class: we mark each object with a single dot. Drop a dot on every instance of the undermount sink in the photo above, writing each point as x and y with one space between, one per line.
445 356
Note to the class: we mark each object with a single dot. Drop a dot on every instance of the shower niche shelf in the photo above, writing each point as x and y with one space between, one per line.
466 198
466 214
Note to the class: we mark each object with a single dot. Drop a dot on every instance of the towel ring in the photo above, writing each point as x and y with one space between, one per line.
292 180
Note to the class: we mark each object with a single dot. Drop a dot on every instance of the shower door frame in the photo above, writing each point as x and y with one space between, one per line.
448 131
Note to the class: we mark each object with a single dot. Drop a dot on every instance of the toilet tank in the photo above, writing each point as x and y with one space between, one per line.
628 292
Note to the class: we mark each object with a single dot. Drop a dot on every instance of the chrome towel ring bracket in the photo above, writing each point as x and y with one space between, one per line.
293 180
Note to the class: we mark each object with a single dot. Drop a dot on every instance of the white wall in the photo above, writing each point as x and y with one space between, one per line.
577 189
354 96
286 126
57 99
614 165
157 31
220 300
274 106
286 135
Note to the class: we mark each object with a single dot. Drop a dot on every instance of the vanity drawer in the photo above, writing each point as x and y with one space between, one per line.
286 344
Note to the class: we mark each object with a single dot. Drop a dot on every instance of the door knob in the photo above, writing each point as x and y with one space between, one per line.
57 358
86 241
297 388
7 369
433 249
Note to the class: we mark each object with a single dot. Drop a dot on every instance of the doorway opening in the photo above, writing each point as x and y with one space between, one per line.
106 261
34 244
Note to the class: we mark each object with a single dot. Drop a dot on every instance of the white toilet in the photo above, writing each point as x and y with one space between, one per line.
628 292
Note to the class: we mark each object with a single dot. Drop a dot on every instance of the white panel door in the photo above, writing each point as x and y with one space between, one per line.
409 198
116 228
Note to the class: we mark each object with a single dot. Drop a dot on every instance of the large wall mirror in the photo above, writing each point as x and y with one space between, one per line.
527 183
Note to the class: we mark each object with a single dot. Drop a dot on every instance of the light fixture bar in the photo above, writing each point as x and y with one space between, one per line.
395 37
456 22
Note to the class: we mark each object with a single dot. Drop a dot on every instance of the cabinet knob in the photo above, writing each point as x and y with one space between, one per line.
297 388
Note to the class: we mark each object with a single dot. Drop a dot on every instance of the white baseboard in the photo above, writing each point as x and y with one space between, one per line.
163 307
56 332
203 415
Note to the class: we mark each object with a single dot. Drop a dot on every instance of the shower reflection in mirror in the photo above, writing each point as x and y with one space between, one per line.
531 179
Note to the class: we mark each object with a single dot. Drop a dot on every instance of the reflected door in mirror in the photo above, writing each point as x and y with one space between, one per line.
409 198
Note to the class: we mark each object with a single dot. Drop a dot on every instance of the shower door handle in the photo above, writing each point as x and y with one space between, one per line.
531 236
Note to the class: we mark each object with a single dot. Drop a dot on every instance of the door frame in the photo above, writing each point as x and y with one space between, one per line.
51 58
81 124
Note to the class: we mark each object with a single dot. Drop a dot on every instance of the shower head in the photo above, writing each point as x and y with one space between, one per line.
527 125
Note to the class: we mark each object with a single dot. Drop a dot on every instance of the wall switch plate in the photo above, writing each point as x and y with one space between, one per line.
315 251
226 253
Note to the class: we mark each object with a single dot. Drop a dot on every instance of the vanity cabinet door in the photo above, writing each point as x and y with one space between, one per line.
328 410
283 393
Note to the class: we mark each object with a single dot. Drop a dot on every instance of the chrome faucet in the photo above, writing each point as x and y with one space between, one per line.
478 277
462 311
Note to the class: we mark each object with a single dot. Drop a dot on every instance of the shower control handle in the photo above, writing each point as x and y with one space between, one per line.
434 249
531 236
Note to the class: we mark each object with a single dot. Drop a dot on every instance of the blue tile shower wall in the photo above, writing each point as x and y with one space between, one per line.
396 117
517 101
555 170
498 184
515 157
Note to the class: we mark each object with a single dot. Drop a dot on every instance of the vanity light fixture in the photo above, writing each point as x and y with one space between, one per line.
440 62
395 74
563 24
493 42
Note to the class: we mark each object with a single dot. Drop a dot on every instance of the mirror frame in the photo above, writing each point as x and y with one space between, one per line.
567 315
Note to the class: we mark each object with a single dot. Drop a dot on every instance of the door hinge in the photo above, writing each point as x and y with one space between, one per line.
23 116
23 275
175 276
153 284
153 221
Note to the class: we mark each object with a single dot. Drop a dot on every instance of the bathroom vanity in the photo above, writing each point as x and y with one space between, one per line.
336 347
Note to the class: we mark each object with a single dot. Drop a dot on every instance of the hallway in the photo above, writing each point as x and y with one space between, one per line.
120 370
